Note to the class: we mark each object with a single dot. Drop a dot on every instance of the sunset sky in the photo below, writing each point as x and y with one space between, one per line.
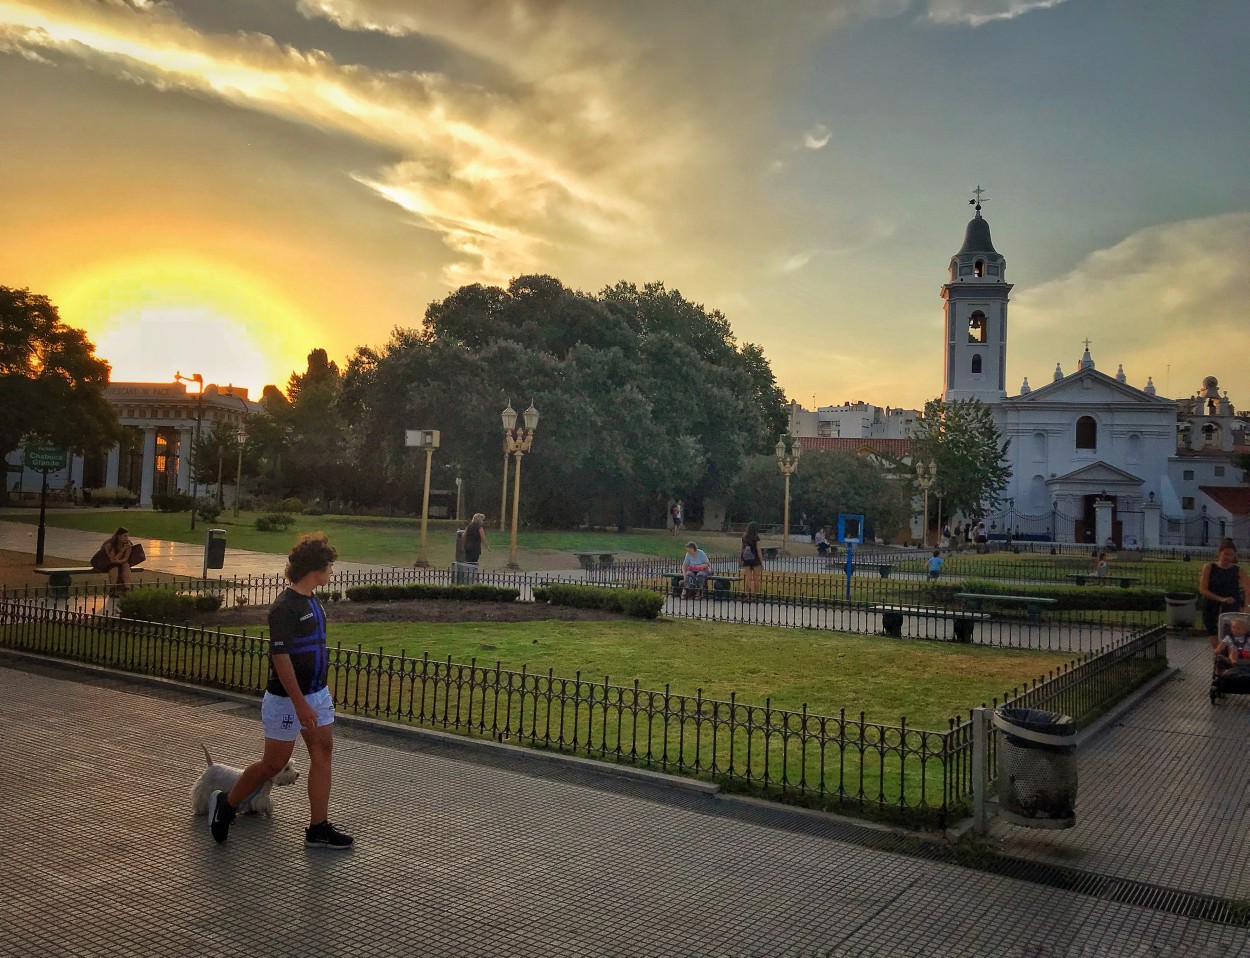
219 186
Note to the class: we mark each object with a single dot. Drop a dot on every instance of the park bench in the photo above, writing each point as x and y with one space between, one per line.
59 580
721 584
1125 580
1033 604
595 560
892 617
769 553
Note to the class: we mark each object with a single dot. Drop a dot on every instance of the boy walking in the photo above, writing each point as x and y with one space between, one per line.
935 565
297 701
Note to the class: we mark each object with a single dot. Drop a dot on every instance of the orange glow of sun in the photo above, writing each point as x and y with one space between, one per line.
151 316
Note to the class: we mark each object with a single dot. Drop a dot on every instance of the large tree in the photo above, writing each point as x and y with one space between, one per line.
52 385
962 441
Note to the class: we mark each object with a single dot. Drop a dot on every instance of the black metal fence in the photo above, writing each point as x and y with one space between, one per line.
830 761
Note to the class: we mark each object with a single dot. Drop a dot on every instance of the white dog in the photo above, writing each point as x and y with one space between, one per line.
223 777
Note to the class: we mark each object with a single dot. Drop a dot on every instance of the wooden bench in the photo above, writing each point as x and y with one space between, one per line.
1125 580
59 580
595 560
1033 604
892 617
721 584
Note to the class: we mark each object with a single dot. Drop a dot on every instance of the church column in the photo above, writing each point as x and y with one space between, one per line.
1151 516
149 465
1102 521
112 467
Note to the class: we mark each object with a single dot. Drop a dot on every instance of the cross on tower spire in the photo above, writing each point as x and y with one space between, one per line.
977 202
1087 341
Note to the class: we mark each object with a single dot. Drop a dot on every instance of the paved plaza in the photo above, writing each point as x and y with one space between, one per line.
482 849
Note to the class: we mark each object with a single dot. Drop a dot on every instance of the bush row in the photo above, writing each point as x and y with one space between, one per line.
399 593
164 605
639 603
1068 596
274 522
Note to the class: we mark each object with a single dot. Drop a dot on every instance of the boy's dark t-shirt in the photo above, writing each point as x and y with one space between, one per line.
297 627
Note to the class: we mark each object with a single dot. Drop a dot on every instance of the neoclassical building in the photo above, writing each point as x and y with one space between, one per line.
159 422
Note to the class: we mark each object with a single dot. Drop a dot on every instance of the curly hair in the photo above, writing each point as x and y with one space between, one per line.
312 553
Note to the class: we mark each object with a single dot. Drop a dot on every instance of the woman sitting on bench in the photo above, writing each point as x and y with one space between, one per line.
116 549
695 567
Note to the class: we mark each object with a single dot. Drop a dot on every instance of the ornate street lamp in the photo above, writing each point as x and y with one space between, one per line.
926 476
517 441
427 439
195 443
788 452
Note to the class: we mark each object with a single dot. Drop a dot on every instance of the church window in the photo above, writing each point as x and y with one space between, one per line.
1188 475
1210 434
976 363
1134 448
1219 471
977 327
1187 502
1086 433
1039 447
979 268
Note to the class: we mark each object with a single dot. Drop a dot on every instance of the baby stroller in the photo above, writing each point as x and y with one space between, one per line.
1231 672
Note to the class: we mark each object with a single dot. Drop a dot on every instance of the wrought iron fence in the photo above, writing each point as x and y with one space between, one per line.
831 761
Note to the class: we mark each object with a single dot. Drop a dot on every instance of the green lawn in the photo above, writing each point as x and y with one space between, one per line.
887 679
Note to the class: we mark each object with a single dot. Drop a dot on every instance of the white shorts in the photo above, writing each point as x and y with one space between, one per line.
278 716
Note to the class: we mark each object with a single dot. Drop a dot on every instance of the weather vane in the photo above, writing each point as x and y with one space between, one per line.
977 202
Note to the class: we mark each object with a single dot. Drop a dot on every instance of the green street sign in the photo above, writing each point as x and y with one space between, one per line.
43 456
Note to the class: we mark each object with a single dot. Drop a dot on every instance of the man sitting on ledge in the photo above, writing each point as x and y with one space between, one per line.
695 567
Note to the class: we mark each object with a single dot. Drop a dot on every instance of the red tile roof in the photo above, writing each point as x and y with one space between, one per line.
1236 499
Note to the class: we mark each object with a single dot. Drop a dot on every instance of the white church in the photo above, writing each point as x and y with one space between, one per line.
1093 458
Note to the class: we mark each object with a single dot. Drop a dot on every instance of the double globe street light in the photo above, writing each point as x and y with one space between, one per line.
517 441
788 452
926 476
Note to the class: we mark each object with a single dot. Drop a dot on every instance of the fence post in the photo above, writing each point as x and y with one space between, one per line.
980 769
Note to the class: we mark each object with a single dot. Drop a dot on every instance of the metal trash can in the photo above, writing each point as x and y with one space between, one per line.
1036 767
463 573
1180 609
214 549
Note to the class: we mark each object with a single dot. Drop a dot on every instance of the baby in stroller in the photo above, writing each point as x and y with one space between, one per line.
1231 673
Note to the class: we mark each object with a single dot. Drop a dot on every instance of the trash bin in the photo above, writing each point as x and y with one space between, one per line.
1180 609
459 545
215 549
1036 767
463 573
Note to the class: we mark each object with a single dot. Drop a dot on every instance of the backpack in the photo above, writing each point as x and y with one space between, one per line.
748 553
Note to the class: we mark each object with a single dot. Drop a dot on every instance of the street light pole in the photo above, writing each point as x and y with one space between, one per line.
195 443
517 440
427 439
925 477
503 499
788 452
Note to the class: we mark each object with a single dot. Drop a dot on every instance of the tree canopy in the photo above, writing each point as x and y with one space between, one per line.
962 441
52 385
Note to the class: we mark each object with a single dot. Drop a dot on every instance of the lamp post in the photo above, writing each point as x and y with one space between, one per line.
240 435
517 440
788 451
426 439
926 476
195 443
939 494
503 498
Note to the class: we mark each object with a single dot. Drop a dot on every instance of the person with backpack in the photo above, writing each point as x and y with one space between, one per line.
752 563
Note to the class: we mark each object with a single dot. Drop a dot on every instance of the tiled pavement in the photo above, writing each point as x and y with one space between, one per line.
460 854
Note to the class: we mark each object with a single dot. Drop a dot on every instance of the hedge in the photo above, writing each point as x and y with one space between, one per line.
162 605
274 522
1070 597
639 603
400 593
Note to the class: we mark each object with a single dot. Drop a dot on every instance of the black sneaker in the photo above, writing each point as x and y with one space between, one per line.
220 815
326 835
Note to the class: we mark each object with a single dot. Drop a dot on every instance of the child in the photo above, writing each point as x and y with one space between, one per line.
935 564
1234 647
1102 569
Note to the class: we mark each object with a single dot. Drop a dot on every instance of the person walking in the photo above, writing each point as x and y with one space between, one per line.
935 565
752 563
297 700
475 538
676 516
1225 587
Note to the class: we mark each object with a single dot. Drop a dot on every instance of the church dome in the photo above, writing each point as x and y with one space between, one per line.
977 237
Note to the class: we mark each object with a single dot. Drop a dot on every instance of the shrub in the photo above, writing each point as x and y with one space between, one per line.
157 605
638 603
274 522
112 496
171 501
207 509
401 593
290 504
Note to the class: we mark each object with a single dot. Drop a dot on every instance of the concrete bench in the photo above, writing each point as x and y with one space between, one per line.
721 584
892 617
59 580
595 560
1125 580
1033 605
769 553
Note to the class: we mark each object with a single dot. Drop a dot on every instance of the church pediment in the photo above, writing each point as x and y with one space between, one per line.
1097 473
1086 386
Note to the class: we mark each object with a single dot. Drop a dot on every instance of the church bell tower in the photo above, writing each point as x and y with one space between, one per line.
976 316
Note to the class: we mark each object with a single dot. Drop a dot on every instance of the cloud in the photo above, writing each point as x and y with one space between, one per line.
817 136
1133 299
976 13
